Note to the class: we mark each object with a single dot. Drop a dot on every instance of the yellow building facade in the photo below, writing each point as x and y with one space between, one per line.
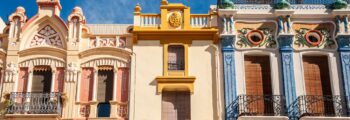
174 57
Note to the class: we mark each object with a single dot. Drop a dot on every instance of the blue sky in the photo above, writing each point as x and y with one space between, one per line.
103 11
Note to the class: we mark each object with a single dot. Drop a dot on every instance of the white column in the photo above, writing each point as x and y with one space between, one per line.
95 85
115 84
11 79
53 80
97 41
30 80
78 87
117 42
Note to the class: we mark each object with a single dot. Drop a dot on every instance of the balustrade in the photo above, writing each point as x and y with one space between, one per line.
200 21
150 20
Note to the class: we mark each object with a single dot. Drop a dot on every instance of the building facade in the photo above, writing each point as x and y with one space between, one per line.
285 59
175 81
243 60
57 70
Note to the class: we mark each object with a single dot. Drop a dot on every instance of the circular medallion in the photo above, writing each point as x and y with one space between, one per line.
313 37
175 19
255 37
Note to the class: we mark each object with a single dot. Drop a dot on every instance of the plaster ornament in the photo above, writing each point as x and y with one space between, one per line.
47 37
72 67
306 38
12 68
261 38
175 19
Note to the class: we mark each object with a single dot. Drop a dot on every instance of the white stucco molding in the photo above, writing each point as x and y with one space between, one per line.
32 62
39 22
107 61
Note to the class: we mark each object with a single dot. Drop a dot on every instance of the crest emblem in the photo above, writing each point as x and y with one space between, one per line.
175 19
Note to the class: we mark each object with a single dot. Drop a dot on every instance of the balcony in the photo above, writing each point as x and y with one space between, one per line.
257 105
312 105
35 103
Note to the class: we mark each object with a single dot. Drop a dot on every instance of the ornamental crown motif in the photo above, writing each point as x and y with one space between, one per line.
260 38
47 36
175 19
307 38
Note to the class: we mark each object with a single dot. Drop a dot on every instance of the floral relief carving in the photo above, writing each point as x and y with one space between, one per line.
47 37
264 38
318 39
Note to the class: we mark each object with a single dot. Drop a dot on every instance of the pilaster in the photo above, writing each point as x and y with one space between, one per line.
344 51
229 76
286 51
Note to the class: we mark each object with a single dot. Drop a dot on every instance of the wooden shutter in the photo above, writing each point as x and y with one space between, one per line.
317 82
258 83
176 106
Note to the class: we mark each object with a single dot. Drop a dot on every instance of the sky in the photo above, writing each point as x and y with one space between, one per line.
103 11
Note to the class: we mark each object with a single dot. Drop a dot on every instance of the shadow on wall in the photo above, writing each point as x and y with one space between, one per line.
212 50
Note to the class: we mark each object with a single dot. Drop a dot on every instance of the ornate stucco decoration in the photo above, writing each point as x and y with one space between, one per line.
261 38
307 38
11 72
175 19
72 72
47 36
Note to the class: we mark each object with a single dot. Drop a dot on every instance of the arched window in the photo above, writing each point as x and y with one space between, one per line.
176 59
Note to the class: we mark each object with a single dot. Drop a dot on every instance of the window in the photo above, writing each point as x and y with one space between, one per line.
176 57
42 76
176 106
105 90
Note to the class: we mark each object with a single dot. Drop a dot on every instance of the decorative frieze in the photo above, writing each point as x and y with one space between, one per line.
47 37
261 38
307 38
42 61
11 72
72 72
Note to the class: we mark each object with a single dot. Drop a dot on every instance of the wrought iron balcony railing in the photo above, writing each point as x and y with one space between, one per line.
257 105
327 105
35 103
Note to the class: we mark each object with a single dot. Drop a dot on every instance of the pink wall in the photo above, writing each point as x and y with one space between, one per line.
22 80
123 84
86 84
59 80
